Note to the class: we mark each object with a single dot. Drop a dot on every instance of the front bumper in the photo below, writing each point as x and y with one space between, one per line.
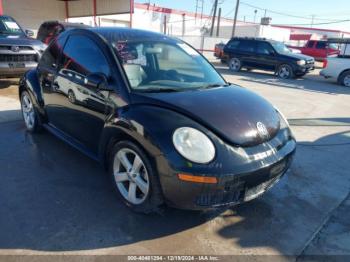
245 182
15 69
305 68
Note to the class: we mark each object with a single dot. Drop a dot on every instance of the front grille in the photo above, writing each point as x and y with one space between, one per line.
18 58
21 48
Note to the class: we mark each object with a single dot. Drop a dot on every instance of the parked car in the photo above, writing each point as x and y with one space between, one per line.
338 67
219 50
51 29
319 49
267 55
18 51
167 126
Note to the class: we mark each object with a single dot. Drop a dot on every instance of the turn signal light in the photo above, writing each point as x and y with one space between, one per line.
198 179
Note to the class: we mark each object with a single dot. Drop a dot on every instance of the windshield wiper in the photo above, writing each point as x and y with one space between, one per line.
158 90
213 85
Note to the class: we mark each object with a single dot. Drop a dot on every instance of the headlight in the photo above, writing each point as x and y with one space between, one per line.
301 62
41 47
283 120
193 145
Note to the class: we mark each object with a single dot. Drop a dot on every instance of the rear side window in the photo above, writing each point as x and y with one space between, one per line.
233 44
310 44
82 55
246 46
321 45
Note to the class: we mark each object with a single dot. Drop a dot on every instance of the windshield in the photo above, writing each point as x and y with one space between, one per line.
280 47
165 66
9 27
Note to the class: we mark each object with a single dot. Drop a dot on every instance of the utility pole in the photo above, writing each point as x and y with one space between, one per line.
218 26
213 21
312 20
235 19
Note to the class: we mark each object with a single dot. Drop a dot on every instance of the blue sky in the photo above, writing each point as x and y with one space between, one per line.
324 11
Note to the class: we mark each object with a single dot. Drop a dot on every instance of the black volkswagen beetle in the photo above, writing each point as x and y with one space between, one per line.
158 116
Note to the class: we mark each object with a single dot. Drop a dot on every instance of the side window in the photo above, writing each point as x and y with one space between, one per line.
233 44
83 56
264 48
310 44
321 45
247 46
51 54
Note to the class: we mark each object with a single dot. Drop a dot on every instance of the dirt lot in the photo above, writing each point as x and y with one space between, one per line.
55 200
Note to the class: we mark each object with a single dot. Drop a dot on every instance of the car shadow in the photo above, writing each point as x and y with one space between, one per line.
303 199
310 82
7 82
53 198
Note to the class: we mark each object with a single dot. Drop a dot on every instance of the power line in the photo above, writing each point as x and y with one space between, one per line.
285 14
325 23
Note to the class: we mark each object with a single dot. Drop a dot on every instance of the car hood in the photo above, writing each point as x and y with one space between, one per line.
233 113
298 56
17 40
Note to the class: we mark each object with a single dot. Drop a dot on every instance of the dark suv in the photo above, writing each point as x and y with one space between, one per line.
267 55
18 51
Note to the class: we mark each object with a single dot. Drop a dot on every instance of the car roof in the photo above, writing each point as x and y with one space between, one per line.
115 34
65 24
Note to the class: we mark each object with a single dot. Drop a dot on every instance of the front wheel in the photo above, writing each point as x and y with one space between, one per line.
285 71
344 78
29 113
134 178
235 64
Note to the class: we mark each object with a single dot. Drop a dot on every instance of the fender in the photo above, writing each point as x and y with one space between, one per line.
30 83
140 124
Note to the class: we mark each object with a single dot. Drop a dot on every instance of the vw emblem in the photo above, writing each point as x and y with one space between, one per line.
262 130
15 48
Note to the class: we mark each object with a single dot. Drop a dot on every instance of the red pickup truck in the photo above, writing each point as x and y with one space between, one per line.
319 49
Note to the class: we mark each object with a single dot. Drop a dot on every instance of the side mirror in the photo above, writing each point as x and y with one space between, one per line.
97 81
29 33
272 53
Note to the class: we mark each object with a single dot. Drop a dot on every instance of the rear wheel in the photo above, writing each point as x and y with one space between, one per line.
71 97
134 178
344 78
235 64
29 113
285 71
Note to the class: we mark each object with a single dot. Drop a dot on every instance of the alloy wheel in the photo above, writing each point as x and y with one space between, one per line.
346 80
130 175
28 111
71 96
235 64
284 72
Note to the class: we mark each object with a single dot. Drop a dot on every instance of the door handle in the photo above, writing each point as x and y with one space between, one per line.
54 65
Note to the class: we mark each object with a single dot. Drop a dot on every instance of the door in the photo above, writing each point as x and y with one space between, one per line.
80 109
309 48
246 51
320 49
265 56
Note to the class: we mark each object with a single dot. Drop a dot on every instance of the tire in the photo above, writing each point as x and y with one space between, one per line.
29 113
344 78
285 71
235 64
71 97
300 75
134 178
